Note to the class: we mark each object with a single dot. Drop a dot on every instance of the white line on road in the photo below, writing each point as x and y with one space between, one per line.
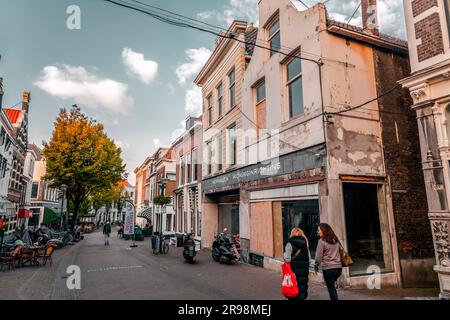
114 268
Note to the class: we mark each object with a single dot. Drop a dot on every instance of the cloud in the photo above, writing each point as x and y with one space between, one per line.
193 100
135 63
178 132
121 145
197 58
69 82
246 10
390 13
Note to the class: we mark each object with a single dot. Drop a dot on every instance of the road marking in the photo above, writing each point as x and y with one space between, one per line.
113 268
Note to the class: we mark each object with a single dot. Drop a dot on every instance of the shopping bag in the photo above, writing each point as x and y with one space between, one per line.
289 287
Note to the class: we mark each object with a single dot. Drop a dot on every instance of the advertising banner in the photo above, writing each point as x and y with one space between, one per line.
129 219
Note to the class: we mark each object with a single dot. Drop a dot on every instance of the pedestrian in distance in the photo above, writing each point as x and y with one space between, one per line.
329 257
297 254
107 232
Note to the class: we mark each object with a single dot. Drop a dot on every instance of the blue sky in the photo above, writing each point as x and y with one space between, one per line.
130 72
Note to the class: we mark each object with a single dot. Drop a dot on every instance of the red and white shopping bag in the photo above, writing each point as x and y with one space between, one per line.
289 287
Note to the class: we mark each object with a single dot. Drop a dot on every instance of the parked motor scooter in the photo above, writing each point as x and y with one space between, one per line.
189 251
224 248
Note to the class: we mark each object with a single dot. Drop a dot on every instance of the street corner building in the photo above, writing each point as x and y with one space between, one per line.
292 136
428 28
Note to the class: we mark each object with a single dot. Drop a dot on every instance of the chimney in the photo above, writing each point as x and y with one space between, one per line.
26 98
370 17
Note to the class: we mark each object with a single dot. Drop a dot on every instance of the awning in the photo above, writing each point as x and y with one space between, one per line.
50 216
145 213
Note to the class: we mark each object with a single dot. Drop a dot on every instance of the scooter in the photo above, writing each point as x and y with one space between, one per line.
224 248
189 251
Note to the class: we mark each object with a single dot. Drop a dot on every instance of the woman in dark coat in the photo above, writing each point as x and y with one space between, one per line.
297 254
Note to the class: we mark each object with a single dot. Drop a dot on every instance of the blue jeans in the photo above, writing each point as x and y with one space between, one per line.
331 277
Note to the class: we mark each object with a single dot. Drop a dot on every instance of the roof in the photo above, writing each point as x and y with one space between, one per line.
358 33
13 115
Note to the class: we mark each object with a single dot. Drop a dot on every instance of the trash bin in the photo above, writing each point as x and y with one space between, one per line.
180 240
155 243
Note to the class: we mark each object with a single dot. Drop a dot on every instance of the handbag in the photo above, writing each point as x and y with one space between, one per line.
289 288
345 257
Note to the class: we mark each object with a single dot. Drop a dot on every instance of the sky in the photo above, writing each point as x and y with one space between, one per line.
128 71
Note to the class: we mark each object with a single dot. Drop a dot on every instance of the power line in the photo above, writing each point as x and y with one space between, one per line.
356 10
182 23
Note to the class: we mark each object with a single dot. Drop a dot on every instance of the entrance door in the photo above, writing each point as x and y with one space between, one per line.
368 237
229 218
303 214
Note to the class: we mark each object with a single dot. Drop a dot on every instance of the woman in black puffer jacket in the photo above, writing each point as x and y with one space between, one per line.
297 254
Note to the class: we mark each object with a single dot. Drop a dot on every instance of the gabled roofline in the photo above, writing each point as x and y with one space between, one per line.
235 27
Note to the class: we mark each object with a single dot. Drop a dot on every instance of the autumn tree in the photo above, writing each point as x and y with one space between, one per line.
81 156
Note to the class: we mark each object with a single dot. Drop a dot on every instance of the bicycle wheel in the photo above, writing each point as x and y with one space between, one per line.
165 248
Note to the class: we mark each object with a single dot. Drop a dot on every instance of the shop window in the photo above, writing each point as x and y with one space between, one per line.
229 218
367 242
303 214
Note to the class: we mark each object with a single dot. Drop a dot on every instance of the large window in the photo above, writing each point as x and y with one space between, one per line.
219 158
232 81
232 145
210 113
208 158
447 12
34 190
219 100
195 164
274 36
295 87
188 169
303 214
367 227
260 92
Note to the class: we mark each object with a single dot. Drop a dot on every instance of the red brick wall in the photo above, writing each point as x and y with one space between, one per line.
401 147
429 31
420 6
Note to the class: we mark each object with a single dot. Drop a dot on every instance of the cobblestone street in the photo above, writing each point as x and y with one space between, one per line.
119 272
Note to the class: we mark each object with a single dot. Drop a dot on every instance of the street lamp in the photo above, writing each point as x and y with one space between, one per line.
63 188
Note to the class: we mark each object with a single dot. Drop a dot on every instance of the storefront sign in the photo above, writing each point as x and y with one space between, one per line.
129 219
298 161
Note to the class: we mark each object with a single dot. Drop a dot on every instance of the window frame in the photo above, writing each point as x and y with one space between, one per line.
289 82
258 85
194 164
232 87
210 109
232 148
273 20
208 158
219 99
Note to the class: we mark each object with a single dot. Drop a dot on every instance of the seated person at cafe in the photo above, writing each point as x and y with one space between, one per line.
18 241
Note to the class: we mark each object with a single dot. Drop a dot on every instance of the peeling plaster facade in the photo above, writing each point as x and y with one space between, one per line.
322 158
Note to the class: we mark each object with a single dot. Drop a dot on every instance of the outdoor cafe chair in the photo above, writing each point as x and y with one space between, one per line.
47 255
16 255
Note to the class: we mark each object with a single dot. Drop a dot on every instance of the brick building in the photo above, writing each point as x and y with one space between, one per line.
428 27
309 148
187 150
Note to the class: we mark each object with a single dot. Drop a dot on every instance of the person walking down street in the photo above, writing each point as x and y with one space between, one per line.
328 256
107 232
297 254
